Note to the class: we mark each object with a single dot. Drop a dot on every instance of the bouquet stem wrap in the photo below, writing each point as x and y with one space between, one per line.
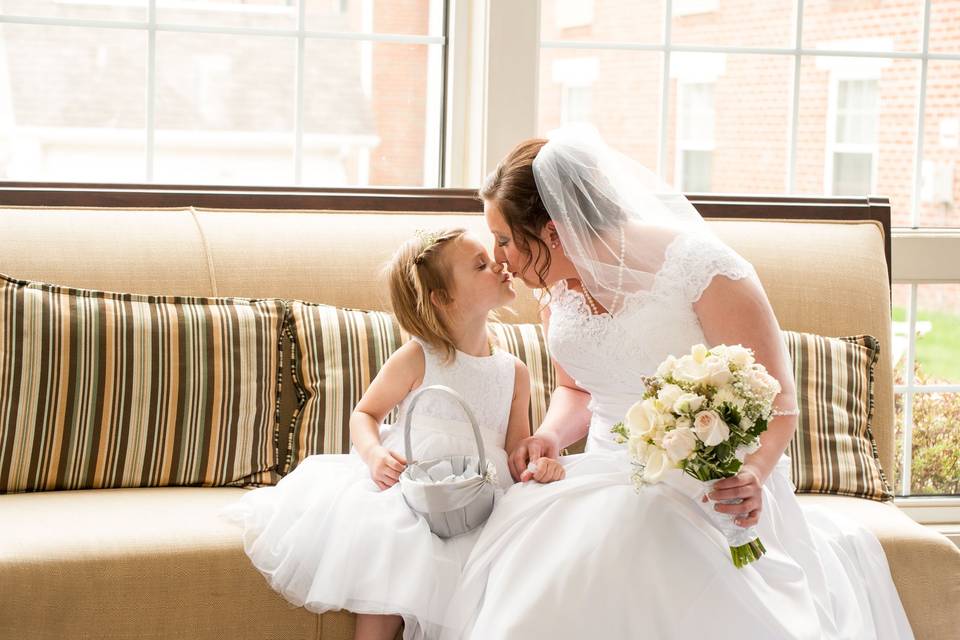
745 545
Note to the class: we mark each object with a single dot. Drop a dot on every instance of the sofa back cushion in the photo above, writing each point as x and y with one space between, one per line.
103 389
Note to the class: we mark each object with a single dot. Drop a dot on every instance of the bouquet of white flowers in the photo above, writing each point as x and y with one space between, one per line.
703 413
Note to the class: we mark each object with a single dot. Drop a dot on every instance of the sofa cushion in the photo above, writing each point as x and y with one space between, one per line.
338 352
153 563
102 389
833 450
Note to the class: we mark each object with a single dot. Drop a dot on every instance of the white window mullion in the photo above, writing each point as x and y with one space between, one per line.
151 85
921 107
510 77
795 100
908 395
299 90
665 87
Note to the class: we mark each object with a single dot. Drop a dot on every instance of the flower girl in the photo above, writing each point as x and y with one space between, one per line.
336 533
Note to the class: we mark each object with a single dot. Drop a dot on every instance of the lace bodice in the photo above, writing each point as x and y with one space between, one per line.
486 383
608 354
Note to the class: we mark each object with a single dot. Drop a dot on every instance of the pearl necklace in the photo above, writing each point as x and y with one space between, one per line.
592 302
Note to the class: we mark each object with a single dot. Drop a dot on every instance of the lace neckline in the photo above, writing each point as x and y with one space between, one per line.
561 288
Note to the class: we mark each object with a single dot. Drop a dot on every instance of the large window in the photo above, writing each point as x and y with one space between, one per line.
813 98
257 92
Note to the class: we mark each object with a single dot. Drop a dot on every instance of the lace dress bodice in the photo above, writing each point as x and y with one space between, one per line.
607 355
486 383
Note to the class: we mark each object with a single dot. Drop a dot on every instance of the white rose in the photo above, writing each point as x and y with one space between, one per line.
665 370
668 395
679 443
740 356
642 418
716 371
656 465
710 428
761 383
688 403
687 369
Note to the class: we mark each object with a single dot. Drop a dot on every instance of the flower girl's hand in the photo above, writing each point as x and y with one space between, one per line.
385 467
746 487
534 447
543 471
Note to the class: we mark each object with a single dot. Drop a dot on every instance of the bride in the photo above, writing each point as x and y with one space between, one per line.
630 274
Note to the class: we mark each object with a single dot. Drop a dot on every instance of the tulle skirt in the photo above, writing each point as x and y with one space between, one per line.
590 557
326 538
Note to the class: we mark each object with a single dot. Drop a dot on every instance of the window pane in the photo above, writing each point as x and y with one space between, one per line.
624 88
750 110
900 299
935 467
938 329
743 24
944 35
602 20
372 114
118 10
224 111
72 104
410 17
858 108
851 174
940 184
697 171
847 25
837 95
262 14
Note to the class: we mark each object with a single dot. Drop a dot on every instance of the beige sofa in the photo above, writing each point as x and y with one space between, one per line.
159 563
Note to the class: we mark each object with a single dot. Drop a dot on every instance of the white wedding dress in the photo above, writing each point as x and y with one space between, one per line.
590 557
326 538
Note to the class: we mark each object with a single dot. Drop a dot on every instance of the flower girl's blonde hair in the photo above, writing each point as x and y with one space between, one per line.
419 280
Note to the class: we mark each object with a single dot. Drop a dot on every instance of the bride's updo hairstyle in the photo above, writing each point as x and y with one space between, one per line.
512 187
418 275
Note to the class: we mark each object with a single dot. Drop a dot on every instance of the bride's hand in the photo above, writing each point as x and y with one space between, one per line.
747 487
539 445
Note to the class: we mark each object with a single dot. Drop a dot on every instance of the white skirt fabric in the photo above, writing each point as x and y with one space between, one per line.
590 557
326 538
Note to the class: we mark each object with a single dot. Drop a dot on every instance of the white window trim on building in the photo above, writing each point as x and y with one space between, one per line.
686 142
833 146
574 74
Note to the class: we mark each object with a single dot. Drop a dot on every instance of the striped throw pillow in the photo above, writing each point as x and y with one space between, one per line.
338 352
833 450
102 390
336 355
527 342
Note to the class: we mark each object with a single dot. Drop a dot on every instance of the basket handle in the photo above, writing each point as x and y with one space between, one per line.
408 449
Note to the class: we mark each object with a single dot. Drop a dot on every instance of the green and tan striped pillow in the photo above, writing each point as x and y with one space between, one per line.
103 390
338 352
833 450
